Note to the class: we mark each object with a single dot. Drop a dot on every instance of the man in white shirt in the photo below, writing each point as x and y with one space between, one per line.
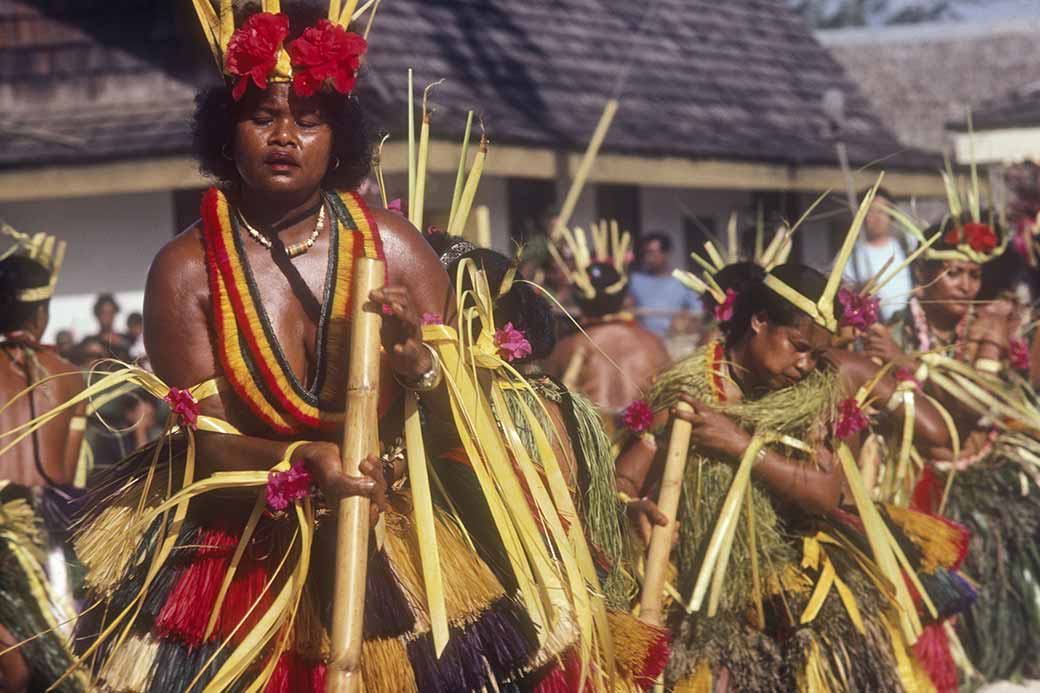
875 246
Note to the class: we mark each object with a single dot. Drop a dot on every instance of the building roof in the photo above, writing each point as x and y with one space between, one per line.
919 78
90 80
1020 108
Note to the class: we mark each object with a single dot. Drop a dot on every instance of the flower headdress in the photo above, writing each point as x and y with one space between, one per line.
970 237
712 262
821 310
44 249
610 245
324 55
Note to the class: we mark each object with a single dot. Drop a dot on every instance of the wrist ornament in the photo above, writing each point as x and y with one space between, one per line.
425 382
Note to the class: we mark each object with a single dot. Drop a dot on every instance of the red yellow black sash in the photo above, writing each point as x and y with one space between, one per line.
249 351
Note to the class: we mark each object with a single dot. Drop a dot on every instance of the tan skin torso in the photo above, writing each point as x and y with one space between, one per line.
638 353
180 342
58 449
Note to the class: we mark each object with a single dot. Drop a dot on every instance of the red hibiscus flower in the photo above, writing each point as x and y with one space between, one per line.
327 52
980 237
859 312
638 416
253 50
851 419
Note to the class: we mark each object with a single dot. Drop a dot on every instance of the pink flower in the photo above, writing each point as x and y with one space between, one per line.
859 312
395 206
1018 354
638 416
184 404
724 311
851 419
905 375
432 319
511 343
285 488
326 53
387 309
252 51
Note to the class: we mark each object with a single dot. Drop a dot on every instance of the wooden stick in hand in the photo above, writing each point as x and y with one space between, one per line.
360 439
661 537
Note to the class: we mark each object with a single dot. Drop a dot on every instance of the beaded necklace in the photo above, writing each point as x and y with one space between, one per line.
925 336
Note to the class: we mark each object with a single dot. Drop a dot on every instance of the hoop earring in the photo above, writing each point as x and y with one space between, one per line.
225 152
336 165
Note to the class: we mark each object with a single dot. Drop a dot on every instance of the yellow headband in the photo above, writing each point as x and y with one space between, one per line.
609 245
44 249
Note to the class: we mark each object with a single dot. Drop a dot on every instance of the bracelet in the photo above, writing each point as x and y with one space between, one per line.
625 498
760 455
429 380
989 366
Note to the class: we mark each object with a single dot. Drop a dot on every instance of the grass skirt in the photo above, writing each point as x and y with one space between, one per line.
27 608
171 645
1000 504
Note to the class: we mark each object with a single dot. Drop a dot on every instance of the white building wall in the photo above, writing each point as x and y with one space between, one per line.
111 242
663 210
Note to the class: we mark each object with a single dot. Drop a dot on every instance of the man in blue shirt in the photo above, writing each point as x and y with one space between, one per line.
658 297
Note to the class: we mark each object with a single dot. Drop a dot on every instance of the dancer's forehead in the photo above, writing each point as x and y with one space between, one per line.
807 335
279 97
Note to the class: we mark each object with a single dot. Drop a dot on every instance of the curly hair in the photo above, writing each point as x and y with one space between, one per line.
216 112
522 305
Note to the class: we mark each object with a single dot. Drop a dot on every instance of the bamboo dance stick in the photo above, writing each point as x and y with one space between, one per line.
668 503
360 434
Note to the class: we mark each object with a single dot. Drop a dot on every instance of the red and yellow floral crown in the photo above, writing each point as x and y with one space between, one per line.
325 55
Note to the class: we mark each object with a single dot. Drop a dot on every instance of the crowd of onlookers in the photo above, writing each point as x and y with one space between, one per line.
107 342
123 423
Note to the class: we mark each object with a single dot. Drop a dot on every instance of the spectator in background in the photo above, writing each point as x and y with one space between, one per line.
618 343
105 311
660 300
875 246
88 352
134 332
65 343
